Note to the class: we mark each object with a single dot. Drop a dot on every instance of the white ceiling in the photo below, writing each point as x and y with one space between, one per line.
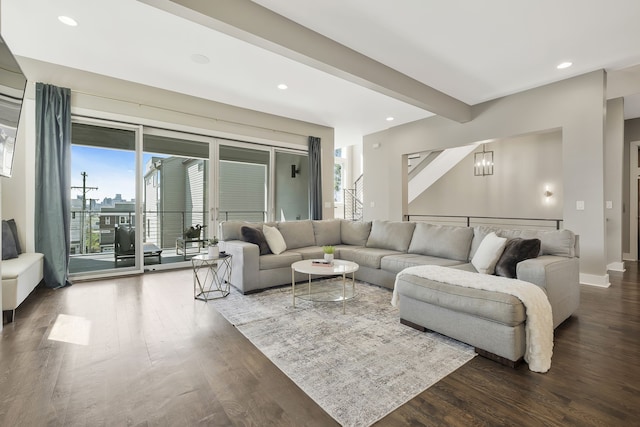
472 50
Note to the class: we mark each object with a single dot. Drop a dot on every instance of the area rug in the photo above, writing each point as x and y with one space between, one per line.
358 366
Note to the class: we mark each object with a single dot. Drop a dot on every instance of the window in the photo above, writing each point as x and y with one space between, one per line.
107 220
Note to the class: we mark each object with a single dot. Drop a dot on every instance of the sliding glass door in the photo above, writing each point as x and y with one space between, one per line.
149 199
175 199
103 197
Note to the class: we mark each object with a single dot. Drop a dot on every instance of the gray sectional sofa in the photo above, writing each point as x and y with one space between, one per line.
491 321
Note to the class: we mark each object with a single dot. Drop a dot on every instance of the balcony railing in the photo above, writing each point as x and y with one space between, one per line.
471 221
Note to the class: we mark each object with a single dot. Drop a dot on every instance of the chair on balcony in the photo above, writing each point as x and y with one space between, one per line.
124 247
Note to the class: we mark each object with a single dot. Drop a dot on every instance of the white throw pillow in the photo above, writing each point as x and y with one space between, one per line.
274 239
488 253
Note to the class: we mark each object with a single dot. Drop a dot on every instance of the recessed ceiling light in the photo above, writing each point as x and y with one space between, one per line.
67 20
390 119
199 59
564 65
283 86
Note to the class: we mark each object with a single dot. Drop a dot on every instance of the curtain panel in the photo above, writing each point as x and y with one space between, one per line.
315 178
53 182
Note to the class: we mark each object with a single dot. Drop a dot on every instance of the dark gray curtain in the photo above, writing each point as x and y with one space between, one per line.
53 181
315 178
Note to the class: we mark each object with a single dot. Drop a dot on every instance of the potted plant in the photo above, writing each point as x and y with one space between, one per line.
328 253
212 248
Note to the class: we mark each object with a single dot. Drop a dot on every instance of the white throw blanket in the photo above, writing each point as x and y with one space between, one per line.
539 321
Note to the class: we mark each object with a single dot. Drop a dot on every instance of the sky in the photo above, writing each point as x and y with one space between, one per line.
112 171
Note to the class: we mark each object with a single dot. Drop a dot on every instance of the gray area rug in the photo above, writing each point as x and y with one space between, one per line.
357 366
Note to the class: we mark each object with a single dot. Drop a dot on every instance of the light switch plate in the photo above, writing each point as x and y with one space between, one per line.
609 204
580 205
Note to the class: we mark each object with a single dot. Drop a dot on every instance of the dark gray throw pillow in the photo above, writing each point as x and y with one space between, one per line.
14 230
515 251
9 250
255 236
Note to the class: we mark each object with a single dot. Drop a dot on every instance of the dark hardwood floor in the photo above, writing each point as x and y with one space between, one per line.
157 357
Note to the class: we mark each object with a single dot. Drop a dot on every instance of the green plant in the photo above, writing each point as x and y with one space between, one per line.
328 249
212 242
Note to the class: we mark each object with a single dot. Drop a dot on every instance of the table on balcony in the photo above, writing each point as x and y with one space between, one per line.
184 246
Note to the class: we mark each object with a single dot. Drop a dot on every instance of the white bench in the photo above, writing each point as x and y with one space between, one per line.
19 277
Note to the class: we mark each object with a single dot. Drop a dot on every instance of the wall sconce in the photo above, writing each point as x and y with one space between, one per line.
294 171
483 163
547 192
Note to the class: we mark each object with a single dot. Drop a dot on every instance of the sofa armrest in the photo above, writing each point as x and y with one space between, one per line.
559 277
245 264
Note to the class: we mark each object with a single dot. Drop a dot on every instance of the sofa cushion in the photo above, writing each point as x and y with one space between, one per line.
516 250
297 234
488 253
496 306
275 240
327 232
354 232
392 235
552 242
9 250
310 252
255 236
397 263
557 242
285 259
366 257
441 241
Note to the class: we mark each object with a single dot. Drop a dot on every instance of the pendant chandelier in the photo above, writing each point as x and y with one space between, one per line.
483 163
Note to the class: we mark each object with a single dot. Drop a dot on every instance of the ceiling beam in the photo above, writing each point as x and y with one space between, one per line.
255 24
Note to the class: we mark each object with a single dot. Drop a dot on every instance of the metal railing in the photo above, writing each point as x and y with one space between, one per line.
471 221
353 205
251 216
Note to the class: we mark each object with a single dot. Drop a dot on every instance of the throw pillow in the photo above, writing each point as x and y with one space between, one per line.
14 231
9 250
255 236
516 250
488 253
274 239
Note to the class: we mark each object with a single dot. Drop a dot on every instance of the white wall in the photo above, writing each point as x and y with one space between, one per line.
575 106
524 167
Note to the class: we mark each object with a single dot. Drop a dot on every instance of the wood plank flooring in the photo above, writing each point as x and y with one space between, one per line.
157 357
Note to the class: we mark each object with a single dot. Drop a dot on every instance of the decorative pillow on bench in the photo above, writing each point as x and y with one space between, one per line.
10 243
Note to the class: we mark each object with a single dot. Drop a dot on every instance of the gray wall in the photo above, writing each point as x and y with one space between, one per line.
292 194
524 167
613 181
575 106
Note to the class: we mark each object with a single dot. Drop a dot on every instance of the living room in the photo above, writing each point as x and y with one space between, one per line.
588 112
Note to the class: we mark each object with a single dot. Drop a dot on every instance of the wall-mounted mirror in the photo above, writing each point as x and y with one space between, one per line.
12 87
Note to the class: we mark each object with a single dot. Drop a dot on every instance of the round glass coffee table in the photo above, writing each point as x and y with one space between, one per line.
338 267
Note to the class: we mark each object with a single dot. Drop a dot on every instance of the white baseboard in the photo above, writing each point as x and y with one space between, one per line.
595 280
616 266
628 257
